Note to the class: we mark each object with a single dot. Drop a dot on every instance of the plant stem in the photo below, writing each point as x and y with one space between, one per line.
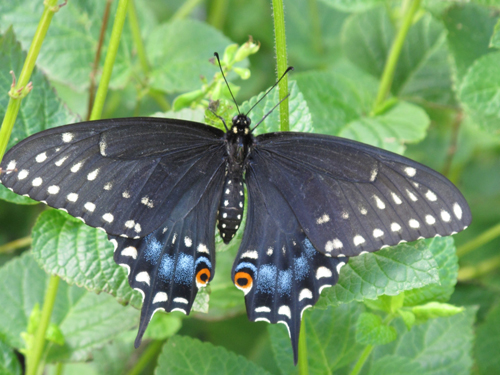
316 26
185 9
217 13
361 361
392 59
12 246
36 351
481 269
480 240
136 35
114 42
147 356
303 364
97 58
281 60
452 148
29 65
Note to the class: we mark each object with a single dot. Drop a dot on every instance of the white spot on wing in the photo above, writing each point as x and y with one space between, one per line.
431 196
377 233
137 228
362 210
262 309
67 137
160 297
269 251
108 217
378 201
457 210
445 216
40 158
430 220
323 272
395 227
11 166
410 171
54 189
23 174
130 251
345 215
143 277
411 195
323 219
188 241
61 161
181 300
358 240
285 310
396 198
202 248
414 223
129 224
37 181
373 175
333 244
252 254
339 266
89 206
305 293
75 168
108 186
93 175
126 194
72 197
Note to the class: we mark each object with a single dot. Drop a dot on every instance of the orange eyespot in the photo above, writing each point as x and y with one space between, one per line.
243 281
202 277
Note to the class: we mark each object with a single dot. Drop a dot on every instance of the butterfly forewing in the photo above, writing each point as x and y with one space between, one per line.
81 168
369 200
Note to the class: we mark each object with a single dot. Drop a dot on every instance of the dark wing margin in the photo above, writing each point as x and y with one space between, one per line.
351 198
171 264
277 267
126 176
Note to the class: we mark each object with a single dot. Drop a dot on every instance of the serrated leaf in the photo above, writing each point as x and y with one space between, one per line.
404 123
434 310
85 319
70 46
40 110
185 355
80 255
443 251
441 346
330 336
488 342
422 71
395 365
9 364
300 118
480 92
389 271
370 330
179 52
469 31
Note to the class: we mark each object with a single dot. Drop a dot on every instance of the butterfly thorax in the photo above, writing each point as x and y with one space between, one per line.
239 142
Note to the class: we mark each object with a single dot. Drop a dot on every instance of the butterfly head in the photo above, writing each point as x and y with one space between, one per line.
241 124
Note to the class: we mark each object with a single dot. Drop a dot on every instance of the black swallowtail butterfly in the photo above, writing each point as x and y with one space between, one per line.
158 187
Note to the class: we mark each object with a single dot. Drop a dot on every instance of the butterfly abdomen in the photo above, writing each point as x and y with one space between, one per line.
231 206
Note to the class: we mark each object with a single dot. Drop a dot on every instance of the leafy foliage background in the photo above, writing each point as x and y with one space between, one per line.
444 112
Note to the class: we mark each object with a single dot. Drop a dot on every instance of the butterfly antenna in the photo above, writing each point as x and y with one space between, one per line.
268 91
268 113
220 118
227 84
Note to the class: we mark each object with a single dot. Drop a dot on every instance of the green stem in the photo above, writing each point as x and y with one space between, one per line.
480 240
481 269
316 26
59 368
392 59
136 36
303 364
217 13
12 246
147 356
39 340
185 10
114 42
29 65
281 60
361 361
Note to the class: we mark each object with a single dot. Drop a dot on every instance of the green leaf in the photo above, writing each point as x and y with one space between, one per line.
389 304
70 46
179 52
469 31
330 335
480 92
370 330
488 342
40 110
9 364
389 271
495 38
443 252
395 365
80 255
434 310
408 318
441 346
85 319
300 118
162 326
422 71
184 355
404 123
353 5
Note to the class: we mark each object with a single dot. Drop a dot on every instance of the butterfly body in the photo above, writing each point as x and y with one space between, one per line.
313 201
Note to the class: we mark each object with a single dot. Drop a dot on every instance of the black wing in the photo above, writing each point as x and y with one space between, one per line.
277 267
170 264
350 198
126 176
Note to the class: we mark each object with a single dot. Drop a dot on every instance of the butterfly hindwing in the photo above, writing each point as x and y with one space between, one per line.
127 185
277 267
169 265
350 198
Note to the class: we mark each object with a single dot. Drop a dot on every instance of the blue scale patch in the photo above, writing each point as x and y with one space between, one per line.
153 249
204 260
267 278
166 268
285 282
301 267
184 270
246 265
